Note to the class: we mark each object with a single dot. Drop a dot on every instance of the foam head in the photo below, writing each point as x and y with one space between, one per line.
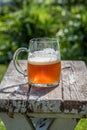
46 56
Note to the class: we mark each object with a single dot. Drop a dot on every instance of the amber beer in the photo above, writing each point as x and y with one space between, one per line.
41 71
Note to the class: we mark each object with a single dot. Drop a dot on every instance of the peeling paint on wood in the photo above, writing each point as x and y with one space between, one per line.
69 97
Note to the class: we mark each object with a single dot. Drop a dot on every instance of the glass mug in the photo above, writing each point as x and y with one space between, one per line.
43 63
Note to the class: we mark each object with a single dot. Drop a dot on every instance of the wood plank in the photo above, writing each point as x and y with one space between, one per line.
75 81
13 94
57 115
14 90
45 99
64 79
72 89
17 122
75 88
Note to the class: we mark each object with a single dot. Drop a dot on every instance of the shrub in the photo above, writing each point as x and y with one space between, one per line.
44 20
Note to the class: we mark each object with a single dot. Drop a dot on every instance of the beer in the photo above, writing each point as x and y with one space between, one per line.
44 70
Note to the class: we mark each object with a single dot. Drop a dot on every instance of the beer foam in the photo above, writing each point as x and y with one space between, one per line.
42 60
44 57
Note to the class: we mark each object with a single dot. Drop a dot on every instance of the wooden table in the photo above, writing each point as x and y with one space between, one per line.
57 108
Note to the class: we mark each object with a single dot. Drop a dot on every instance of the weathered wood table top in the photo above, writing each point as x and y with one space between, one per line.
69 97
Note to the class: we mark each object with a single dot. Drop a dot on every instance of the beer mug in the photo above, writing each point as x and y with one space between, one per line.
43 62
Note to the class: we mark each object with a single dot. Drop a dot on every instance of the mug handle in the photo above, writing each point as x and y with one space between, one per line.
16 62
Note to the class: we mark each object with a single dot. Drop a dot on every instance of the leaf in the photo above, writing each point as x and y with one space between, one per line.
2 126
82 125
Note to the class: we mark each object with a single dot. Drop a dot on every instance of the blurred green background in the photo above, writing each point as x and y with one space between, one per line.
21 20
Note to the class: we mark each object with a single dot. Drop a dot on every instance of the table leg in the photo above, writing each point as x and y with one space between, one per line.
17 122
63 124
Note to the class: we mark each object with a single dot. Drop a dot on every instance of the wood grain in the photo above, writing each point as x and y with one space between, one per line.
70 96
14 90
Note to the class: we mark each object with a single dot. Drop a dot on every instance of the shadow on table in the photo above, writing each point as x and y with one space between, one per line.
22 89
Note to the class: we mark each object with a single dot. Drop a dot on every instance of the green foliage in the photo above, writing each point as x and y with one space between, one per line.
3 69
73 36
2 126
30 19
82 125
